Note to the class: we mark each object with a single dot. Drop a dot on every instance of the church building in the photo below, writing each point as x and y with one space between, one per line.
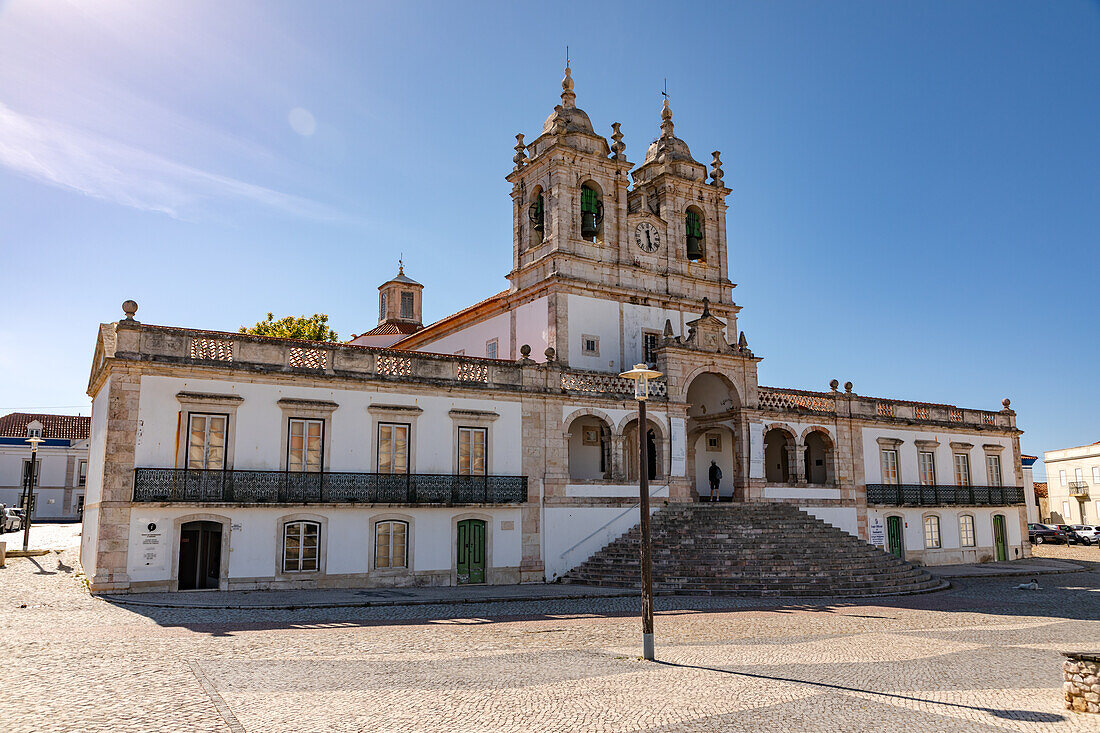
500 444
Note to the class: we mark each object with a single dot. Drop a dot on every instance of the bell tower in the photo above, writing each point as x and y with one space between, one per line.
569 190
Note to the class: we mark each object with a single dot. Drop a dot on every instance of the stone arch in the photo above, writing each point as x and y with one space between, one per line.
590 445
710 392
177 525
657 433
706 369
537 234
818 456
780 445
695 248
699 455
589 218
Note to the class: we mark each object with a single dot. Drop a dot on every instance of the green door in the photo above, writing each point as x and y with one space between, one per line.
893 536
999 541
471 551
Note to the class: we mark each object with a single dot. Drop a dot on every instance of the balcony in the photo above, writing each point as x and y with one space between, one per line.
1079 488
182 485
918 495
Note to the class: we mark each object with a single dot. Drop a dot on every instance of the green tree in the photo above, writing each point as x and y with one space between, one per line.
314 328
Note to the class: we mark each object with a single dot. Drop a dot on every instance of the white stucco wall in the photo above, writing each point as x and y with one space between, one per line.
951 549
581 531
945 467
93 488
841 517
471 340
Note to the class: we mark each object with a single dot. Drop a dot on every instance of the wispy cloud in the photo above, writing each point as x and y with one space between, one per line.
95 165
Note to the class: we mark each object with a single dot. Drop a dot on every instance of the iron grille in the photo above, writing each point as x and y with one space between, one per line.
919 495
289 487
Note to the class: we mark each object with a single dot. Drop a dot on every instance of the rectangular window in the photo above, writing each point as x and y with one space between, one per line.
1062 477
993 469
1096 474
300 543
471 451
82 474
393 448
966 530
649 347
382 306
27 472
932 532
305 445
34 432
927 464
491 349
1078 475
962 469
890 466
390 544
407 305
590 345
206 444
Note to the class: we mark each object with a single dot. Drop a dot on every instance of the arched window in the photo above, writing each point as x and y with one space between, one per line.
591 213
693 229
932 532
536 212
382 307
391 540
966 530
777 468
301 542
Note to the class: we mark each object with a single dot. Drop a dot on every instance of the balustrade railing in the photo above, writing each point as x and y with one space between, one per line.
920 495
289 487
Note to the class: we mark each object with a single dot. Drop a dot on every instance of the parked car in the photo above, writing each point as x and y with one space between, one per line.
1072 538
1037 534
12 519
1089 535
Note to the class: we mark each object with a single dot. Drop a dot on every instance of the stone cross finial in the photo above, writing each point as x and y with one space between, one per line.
129 307
617 146
706 307
716 172
520 158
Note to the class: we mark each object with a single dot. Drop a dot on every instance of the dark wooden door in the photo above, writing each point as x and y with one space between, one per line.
1000 543
893 537
471 551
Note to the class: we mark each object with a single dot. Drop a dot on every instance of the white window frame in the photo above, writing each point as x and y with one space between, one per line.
388 563
492 348
37 478
1096 474
595 341
468 434
1062 477
1079 475
392 453
82 473
961 461
932 537
966 531
926 459
300 462
891 472
298 563
993 470
205 461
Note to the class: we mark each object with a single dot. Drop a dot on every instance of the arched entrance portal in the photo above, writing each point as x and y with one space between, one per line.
714 415
713 445
654 437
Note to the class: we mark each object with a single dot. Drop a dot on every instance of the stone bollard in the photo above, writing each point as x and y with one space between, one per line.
1082 685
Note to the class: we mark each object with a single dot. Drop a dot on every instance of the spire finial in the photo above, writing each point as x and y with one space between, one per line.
666 113
567 96
401 264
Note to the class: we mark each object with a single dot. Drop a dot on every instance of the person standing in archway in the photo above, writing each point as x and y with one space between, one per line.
715 480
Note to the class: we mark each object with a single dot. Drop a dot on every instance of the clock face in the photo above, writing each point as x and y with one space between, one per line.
647 237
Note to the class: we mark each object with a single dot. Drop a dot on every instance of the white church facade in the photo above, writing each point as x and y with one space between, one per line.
499 445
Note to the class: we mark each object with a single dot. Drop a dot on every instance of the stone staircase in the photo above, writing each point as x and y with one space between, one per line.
752 550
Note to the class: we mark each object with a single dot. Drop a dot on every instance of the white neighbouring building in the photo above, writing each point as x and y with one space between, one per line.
62 458
1073 484
499 445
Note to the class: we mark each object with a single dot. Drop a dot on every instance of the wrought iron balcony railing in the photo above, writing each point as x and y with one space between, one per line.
1078 488
287 487
918 495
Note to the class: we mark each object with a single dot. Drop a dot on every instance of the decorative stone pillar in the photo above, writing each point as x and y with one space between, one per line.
1082 686
618 445
796 471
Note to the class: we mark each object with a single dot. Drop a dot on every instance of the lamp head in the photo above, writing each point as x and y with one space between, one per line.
641 374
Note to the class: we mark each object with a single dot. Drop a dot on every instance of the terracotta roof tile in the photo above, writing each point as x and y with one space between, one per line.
388 329
63 427
1041 489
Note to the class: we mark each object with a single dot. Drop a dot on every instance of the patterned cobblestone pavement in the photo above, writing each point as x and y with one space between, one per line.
978 657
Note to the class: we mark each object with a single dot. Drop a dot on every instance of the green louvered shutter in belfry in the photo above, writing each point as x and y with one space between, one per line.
694 231
694 226
589 201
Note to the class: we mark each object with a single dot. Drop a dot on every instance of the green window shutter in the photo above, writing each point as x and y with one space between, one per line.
589 201
694 225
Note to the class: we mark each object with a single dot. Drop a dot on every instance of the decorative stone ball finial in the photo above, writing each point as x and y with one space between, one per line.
525 351
568 98
716 172
848 387
1006 402
666 120
129 307
520 158
617 147
833 384
549 353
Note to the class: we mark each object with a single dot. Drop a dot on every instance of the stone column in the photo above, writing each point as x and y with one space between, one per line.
618 445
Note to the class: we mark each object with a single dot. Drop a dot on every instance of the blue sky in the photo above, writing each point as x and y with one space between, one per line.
915 185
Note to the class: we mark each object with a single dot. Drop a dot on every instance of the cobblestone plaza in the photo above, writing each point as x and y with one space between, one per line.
980 656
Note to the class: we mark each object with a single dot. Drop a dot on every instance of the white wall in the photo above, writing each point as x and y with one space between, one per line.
93 489
945 466
841 517
724 459
951 550
472 339
579 532
257 431
532 327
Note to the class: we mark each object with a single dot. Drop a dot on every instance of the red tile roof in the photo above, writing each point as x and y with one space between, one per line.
1041 489
443 321
64 427
388 329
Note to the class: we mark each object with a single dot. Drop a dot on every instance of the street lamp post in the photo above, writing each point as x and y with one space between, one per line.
34 440
641 374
